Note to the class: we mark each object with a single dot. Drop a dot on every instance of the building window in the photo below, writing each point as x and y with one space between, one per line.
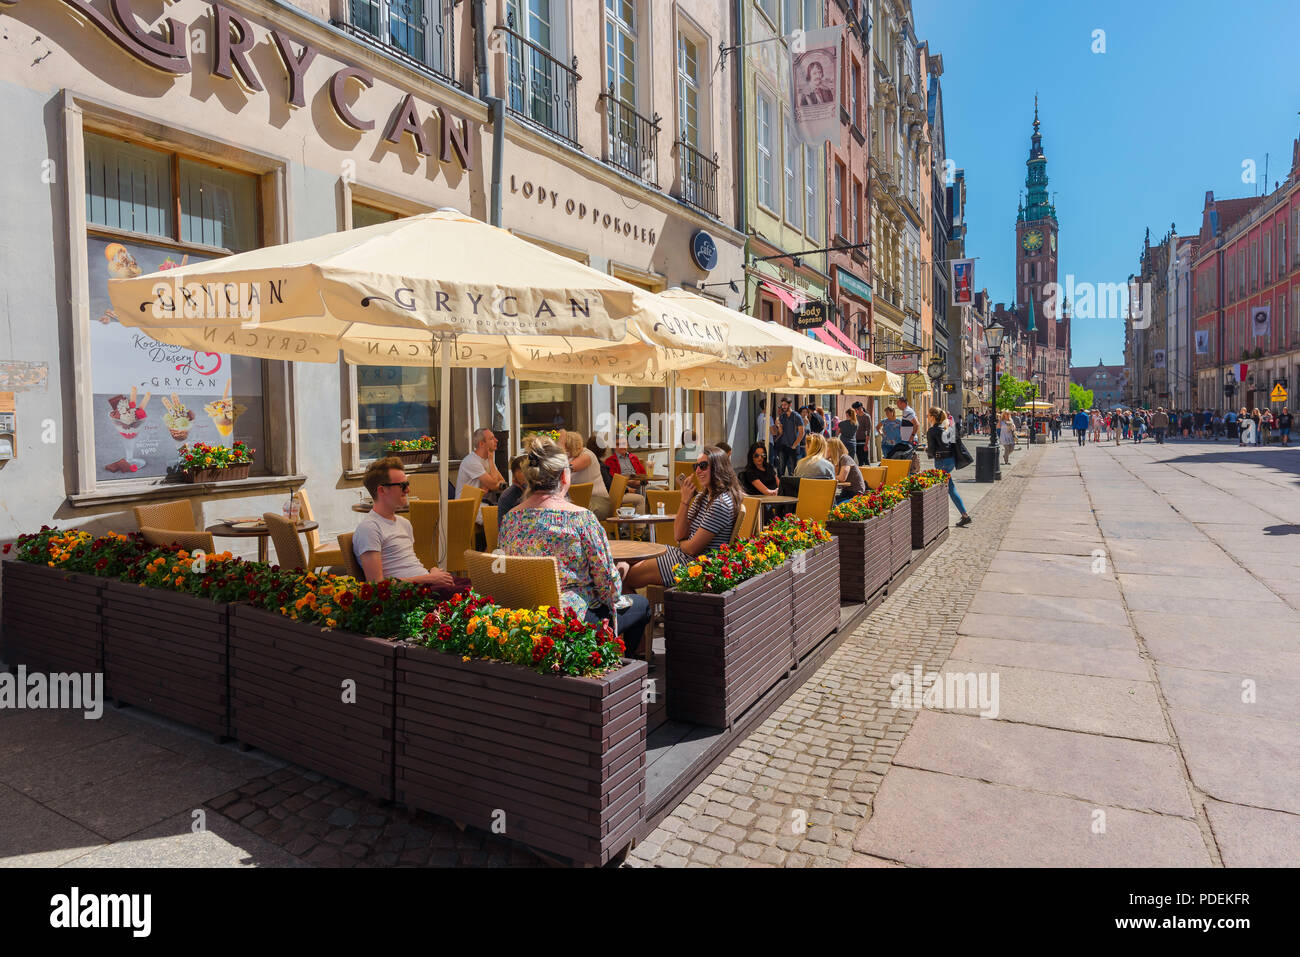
855 81
399 402
769 8
133 195
620 49
1254 267
411 27
793 189
812 180
1281 248
838 202
688 89
763 133
857 210
1268 258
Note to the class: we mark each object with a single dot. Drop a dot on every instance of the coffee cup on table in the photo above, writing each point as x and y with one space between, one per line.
626 511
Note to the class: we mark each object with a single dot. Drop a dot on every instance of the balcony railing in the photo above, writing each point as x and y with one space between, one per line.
403 28
631 140
699 177
540 88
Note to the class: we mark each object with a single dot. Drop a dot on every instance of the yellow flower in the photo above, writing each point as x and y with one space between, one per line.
495 632
331 622
696 571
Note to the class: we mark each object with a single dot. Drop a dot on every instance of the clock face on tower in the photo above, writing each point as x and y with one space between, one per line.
1053 237
1032 241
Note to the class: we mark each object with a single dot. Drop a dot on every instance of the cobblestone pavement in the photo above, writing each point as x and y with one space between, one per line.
795 791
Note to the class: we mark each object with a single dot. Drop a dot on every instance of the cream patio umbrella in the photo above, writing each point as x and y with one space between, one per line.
404 292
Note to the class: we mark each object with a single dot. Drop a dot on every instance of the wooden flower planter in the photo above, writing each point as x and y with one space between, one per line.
167 653
228 474
900 536
724 651
816 581
554 762
929 514
866 556
50 619
415 458
289 695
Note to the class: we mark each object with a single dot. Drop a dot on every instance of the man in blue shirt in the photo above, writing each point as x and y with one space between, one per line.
787 434
1081 426
891 435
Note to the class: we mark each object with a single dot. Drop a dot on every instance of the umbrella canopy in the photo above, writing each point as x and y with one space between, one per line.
1036 405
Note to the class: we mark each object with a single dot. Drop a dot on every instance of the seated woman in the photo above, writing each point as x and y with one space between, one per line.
758 476
846 470
586 468
704 519
814 464
546 523
623 462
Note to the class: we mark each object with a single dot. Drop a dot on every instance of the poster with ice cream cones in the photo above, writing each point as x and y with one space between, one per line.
151 398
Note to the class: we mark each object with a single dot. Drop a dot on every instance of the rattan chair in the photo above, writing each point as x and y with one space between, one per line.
423 484
896 470
288 546
319 554
350 561
190 541
424 527
489 527
515 581
475 494
460 531
874 476
747 525
685 468
580 494
671 501
617 489
816 496
738 529
178 515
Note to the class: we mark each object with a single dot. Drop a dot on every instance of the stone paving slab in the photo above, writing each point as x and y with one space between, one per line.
1048 656
1234 584
1267 694
1220 644
1097 611
1116 706
1243 612
941 820
175 843
1250 837
1028 563
1104 770
35 836
1035 629
1075 583
1241 760
1050 548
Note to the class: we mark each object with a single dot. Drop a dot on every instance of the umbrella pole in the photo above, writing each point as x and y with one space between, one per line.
672 426
444 407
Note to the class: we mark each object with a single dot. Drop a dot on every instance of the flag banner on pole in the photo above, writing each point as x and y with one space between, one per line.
815 83
1160 358
1202 342
1259 320
963 282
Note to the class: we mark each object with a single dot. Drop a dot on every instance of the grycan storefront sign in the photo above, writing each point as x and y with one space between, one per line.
232 40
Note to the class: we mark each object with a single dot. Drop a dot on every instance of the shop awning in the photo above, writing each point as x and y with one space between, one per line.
793 300
832 336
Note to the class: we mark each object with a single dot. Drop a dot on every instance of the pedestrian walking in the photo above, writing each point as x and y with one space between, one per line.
941 442
1284 423
1007 437
787 437
1081 426
1095 420
864 433
1245 428
848 432
1160 425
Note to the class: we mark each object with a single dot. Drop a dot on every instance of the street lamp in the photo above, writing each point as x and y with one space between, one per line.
1229 385
993 341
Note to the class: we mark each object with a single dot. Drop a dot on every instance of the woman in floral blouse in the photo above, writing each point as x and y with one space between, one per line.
546 523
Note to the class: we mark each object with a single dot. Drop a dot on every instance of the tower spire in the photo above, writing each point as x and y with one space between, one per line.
1035 111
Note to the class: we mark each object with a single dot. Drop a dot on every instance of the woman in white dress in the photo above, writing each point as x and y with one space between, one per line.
1006 436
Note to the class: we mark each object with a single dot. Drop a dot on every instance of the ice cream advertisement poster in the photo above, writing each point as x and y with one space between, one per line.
149 397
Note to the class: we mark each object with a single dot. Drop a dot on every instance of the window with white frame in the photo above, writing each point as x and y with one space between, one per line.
857 210
1281 247
688 89
793 189
770 9
812 189
837 201
413 27
1268 257
620 49
763 134
855 81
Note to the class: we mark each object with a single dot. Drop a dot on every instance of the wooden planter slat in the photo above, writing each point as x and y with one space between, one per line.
724 651
286 687
866 556
900 535
153 653
51 619
816 597
929 514
568 774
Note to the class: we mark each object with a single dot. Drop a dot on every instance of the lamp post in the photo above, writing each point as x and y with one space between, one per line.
993 341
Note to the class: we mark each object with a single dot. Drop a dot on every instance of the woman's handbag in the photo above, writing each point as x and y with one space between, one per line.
964 458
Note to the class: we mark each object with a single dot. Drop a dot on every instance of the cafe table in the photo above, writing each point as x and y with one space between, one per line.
773 500
254 528
638 519
632 552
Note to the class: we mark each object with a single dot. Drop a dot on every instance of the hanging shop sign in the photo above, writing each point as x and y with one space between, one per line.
903 363
813 315
233 40
704 251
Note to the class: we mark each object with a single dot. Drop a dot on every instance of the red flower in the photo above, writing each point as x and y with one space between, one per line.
367 592
429 620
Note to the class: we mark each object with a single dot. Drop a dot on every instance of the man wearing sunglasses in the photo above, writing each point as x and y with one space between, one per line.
384 542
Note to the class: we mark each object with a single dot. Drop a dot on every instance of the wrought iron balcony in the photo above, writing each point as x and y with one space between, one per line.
541 89
631 140
698 176
411 30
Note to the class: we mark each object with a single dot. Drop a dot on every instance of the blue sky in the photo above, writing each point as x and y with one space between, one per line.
1185 92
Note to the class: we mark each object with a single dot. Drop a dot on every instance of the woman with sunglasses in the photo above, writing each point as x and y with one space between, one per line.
759 477
706 518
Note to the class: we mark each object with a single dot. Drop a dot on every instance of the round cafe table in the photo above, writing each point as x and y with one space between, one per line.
632 552
771 500
261 533
367 506
638 519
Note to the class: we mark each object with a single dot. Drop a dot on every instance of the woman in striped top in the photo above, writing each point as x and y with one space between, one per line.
705 519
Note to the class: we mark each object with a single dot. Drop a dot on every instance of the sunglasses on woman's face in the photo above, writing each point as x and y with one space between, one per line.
701 465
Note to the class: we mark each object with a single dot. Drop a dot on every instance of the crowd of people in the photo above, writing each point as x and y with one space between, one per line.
1253 427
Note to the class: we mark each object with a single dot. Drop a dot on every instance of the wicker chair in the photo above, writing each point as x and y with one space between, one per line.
489 526
191 541
474 493
350 557
685 468
671 501
815 498
896 470
178 515
515 581
319 554
874 476
617 489
424 527
288 546
747 524
460 531
423 484
580 494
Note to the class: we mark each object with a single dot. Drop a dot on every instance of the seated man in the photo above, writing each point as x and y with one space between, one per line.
384 543
513 495
479 467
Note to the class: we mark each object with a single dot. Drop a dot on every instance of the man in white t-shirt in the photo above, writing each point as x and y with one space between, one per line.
907 417
480 467
384 542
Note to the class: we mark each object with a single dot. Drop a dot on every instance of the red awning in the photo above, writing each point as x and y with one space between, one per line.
841 341
792 299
